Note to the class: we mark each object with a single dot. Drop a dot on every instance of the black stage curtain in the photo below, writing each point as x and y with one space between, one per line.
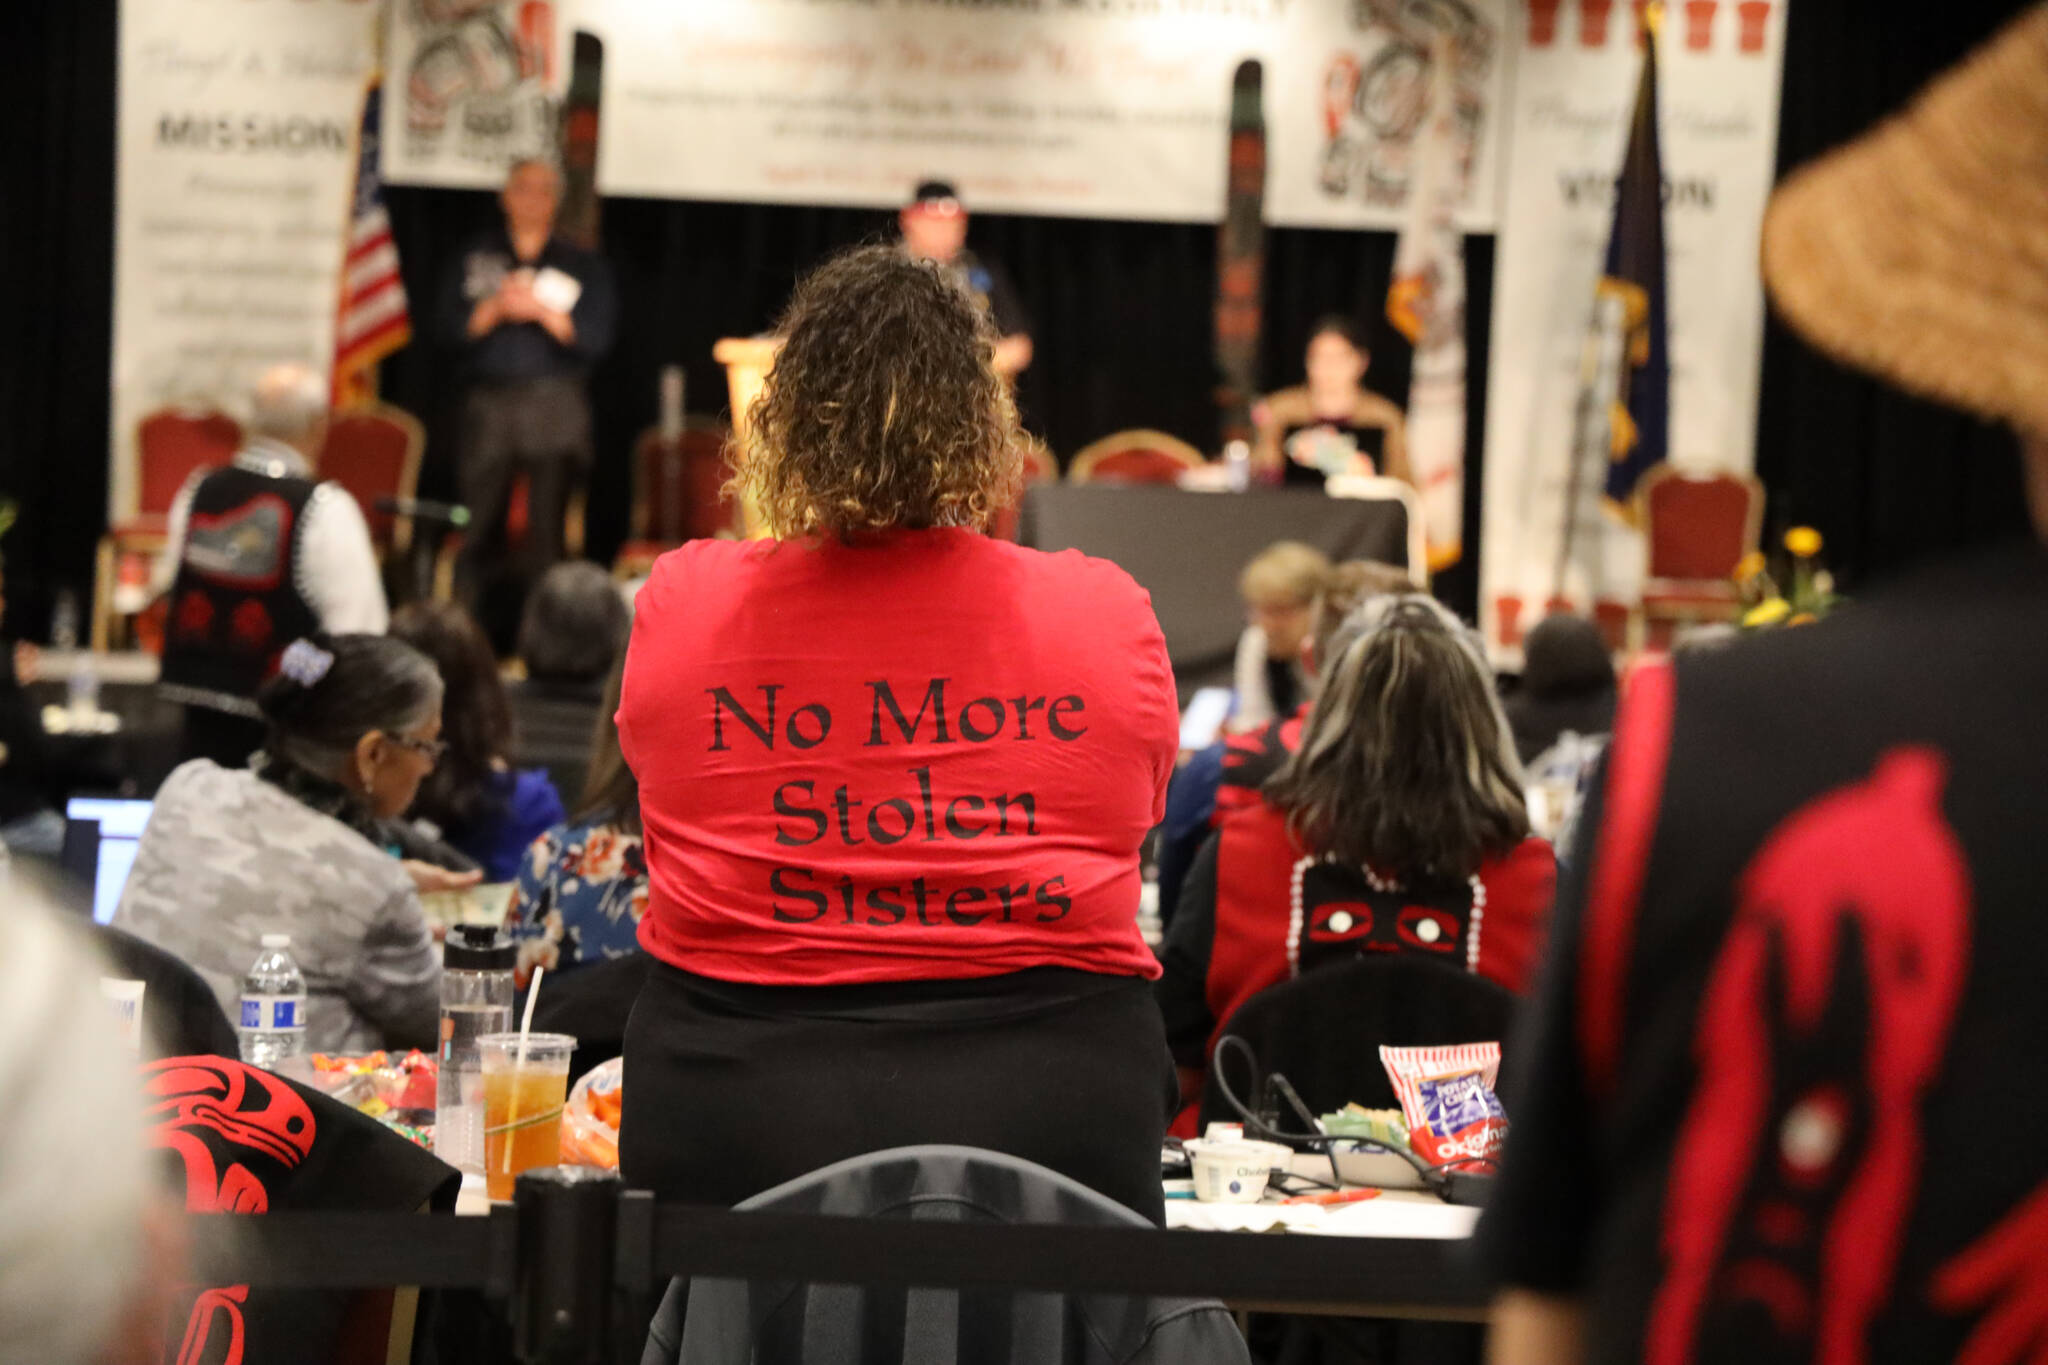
1121 313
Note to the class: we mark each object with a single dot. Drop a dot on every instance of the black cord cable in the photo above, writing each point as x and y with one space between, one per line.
1435 1178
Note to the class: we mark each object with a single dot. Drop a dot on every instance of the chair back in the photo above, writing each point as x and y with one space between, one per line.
1136 456
171 445
551 728
739 1323
1325 1028
679 486
1039 467
374 452
235 1139
1699 526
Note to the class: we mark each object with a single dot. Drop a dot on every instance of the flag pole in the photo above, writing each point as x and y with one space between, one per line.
1592 406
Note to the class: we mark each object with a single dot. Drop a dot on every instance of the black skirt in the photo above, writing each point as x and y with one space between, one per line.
737 1088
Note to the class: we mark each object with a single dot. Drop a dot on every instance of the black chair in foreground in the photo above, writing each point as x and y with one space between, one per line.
740 1323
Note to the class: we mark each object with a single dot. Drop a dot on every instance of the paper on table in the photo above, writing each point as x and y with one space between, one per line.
556 289
1393 1214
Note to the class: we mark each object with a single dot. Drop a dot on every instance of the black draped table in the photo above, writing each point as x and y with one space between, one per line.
1187 549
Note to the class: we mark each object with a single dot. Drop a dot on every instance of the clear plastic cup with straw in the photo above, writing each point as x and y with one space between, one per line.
526 1086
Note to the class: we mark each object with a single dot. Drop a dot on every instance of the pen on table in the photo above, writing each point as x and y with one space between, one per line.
1334 1197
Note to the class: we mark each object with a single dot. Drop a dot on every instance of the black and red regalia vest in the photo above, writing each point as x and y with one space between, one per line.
1281 911
1808 995
1249 759
235 603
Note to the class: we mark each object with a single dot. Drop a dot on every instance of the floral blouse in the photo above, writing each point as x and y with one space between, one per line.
581 892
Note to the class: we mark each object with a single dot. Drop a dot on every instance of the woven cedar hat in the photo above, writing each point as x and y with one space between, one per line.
1920 251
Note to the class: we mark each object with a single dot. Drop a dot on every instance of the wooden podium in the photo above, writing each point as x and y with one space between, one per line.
747 361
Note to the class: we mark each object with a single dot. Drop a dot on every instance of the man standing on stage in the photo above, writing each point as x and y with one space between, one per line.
935 229
533 315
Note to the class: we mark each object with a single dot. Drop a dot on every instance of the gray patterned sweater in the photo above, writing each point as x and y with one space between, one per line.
228 857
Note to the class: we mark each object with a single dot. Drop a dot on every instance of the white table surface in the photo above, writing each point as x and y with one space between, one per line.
1394 1213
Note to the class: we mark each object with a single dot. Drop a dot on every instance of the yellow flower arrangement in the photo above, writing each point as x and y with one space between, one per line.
1768 612
1807 593
1803 541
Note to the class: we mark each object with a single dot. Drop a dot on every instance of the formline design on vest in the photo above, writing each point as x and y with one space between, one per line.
1342 922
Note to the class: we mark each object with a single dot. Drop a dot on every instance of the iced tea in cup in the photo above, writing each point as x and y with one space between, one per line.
523 1100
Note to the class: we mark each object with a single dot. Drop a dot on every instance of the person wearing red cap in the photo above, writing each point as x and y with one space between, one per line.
935 229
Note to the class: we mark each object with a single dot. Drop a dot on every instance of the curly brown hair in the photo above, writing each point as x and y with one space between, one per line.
883 409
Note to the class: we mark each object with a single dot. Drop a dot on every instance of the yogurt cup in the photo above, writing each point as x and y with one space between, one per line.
1233 1172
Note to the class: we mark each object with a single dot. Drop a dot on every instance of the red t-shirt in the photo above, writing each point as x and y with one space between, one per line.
926 755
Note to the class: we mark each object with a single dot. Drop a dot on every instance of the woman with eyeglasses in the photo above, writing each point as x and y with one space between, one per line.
304 842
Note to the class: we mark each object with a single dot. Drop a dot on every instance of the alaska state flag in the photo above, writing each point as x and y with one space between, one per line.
1632 298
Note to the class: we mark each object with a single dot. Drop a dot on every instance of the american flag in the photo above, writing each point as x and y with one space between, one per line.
373 320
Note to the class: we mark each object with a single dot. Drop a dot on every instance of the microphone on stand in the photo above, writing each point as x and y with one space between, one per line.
431 523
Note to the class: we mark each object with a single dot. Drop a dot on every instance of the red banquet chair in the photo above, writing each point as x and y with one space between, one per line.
678 493
1039 467
374 452
171 444
1696 529
1136 456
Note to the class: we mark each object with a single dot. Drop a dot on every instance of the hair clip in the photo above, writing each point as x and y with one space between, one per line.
305 663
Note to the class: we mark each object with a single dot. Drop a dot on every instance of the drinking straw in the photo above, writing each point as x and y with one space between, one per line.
519 1066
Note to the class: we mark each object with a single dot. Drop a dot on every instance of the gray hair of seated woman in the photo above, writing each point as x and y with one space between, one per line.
574 625
373 683
74 1174
1406 762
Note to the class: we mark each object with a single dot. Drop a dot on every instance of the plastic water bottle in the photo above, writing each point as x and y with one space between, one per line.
1237 466
64 621
273 1023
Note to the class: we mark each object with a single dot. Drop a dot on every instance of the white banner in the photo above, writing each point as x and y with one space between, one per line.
1574 89
1114 109
1427 304
473 86
1347 97
236 141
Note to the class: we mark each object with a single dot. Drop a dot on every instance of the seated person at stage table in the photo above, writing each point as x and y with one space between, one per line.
894 777
1404 798
480 803
258 554
300 843
570 638
934 225
582 888
1279 589
1333 424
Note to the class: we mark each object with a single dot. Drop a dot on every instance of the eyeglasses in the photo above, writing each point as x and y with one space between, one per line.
430 749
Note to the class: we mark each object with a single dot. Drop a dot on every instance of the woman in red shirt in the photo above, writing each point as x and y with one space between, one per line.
1398 826
894 776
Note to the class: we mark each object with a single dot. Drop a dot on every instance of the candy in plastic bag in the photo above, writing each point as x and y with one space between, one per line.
590 1121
